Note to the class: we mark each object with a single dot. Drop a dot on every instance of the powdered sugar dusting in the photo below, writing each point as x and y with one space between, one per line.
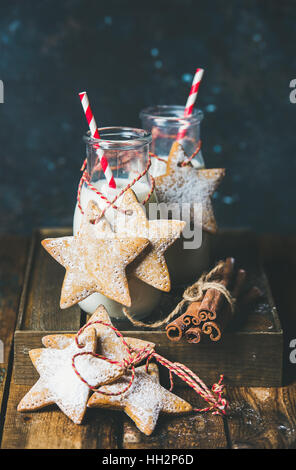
60 384
95 260
150 266
109 344
183 185
145 399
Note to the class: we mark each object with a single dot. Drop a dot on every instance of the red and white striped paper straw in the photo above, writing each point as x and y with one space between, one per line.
95 134
191 100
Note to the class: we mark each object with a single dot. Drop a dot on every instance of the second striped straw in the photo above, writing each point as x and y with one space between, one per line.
191 101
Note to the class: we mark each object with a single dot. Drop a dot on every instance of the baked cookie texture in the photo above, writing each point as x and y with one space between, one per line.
144 401
188 185
58 382
95 260
108 343
150 266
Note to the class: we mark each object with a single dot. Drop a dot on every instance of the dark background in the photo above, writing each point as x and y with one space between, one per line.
130 54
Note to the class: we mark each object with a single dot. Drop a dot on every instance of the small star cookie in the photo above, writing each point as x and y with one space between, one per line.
108 344
95 260
150 266
143 402
186 184
58 382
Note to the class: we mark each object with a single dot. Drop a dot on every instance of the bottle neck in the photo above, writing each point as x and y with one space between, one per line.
165 124
126 151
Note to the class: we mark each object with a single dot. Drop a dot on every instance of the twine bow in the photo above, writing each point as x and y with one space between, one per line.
193 293
214 397
206 281
85 178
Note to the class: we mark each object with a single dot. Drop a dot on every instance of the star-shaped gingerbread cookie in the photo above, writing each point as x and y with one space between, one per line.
150 266
58 382
186 184
108 344
95 260
143 402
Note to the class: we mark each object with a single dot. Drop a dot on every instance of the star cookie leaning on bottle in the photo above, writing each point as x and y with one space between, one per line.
95 259
184 184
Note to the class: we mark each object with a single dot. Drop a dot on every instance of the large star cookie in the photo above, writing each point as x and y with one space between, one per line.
95 260
186 184
150 266
109 344
143 402
58 382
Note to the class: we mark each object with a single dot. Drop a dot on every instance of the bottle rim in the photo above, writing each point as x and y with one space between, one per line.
171 115
119 138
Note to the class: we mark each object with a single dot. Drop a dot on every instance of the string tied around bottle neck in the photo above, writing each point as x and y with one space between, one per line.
86 179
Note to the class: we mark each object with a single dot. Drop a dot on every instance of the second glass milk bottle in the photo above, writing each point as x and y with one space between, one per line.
165 122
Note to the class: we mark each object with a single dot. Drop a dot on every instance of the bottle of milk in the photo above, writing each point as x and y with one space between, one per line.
164 123
126 150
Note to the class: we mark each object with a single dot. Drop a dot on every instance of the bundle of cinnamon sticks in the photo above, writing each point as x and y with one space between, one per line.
210 315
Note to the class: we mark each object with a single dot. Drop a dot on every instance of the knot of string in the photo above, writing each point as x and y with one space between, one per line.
86 178
214 397
193 293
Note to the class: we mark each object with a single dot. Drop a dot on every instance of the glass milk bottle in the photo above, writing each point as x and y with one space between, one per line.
126 150
164 122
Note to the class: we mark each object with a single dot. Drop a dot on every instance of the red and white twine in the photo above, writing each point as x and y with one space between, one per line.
85 178
214 397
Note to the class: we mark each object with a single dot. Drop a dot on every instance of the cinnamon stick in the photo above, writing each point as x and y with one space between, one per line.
239 283
214 299
211 315
191 316
214 329
176 328
225 315
193 335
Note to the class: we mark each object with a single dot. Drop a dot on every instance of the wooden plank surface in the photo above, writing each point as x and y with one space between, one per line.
13 252
204 359
258 418
262 418
197 431
243 343
279 256
40 308
51 429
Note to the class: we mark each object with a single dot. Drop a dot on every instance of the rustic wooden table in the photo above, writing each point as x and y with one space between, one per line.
258 417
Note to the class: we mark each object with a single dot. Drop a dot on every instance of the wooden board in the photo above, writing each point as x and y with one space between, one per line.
241 356
197 431
250 352
258 417
39 307
105 429
262 418
13 254
51 429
